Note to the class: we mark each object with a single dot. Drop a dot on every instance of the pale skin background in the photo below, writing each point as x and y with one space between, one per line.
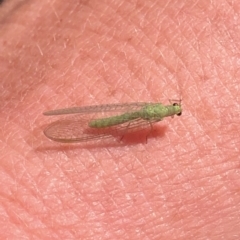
184 183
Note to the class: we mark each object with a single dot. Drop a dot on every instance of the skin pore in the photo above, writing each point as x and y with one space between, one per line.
184 183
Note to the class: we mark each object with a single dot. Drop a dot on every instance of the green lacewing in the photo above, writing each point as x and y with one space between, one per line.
97 122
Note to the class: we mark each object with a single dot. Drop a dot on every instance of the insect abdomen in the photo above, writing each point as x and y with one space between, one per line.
112 121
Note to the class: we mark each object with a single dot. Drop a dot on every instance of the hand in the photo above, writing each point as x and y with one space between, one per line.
182 184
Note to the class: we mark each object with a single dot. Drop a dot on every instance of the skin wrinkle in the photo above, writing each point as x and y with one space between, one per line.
29 212
76 213
123 19
135 49
184 63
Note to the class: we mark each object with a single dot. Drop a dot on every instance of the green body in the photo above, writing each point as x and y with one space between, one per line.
151 112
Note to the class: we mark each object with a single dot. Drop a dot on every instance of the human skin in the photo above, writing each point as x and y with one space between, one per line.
183 183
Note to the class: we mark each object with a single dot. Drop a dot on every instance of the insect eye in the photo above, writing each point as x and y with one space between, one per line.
177 104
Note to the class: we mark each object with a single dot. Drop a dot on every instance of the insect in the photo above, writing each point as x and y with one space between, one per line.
104 121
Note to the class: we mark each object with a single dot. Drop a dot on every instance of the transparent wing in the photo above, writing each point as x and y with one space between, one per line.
76 129
123 107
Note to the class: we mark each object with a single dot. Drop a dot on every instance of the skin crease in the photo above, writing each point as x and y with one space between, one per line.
184 183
